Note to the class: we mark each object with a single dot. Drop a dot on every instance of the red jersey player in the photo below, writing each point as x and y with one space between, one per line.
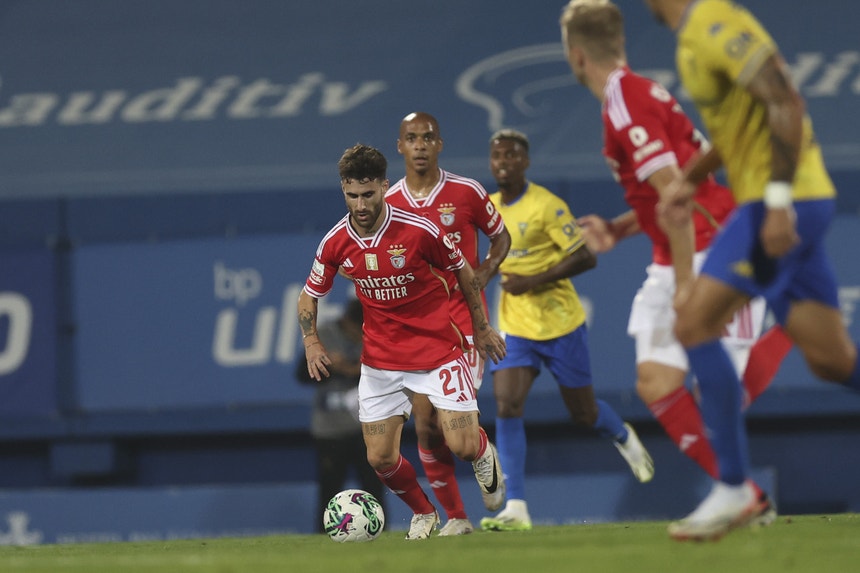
411 346
647 141
460 207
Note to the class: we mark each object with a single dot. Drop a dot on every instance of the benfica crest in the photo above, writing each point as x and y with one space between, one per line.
398 260
446 214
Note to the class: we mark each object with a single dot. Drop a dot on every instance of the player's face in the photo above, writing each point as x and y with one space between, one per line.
419 144
366 201
508 163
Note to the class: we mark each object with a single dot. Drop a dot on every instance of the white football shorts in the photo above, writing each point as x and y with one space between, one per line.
652 319
386 393
476 363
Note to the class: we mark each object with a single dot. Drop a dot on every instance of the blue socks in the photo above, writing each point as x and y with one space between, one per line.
609 424
721 409
511 444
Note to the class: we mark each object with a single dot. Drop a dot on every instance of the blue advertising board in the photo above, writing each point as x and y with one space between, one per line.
212 323
192 323
28 334
105 97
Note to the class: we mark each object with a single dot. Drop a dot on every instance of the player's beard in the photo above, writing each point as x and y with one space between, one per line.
368 219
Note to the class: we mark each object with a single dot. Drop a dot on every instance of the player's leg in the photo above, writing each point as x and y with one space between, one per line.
567 357
820 335
436 456
700 323
661 388
511 385
756 357
449 388
383 408
765 358
733 501
661 366
352 449
439 466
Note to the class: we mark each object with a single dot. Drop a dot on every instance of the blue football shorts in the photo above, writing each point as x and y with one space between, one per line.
738 259
566 357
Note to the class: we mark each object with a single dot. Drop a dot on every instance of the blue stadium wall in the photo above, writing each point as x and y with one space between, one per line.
167 170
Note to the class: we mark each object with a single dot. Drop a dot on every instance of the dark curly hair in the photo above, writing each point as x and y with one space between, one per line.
362 163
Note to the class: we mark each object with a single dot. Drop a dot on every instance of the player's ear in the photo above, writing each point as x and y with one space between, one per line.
385 184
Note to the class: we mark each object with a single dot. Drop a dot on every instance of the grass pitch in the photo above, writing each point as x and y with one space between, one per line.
811 543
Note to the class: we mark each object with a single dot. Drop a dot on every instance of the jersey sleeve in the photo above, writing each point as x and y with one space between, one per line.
731 41
561 226
637 128
323 271
487 217
442 253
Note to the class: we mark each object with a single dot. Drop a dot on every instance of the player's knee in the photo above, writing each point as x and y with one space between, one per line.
830 368
689 331
382 460
509 409
650 389
465 448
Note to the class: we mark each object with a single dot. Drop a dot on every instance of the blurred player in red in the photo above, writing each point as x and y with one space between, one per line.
411 345
647 142
460 207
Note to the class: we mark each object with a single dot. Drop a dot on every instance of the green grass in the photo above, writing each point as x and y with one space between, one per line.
811 543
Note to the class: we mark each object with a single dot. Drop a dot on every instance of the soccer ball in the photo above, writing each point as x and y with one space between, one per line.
353 515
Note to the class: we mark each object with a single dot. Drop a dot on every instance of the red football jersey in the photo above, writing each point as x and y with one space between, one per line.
460 207
645 129
407 324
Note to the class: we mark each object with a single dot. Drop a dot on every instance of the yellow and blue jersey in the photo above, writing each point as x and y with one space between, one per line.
543 232
721 46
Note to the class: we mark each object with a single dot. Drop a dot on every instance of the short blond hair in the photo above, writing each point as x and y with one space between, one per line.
596 25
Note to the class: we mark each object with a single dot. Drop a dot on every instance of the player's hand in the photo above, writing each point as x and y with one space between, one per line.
596 233
317 357
516 284
675 207
778 232
489 343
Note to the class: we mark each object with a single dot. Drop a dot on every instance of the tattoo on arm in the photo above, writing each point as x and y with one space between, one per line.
785 111
306 323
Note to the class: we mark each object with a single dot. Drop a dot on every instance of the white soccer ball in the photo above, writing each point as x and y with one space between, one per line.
353 515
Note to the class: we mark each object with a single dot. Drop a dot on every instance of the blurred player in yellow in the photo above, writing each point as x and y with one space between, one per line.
773 246
544 324
647 141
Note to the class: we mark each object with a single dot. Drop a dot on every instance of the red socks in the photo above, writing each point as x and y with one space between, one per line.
402 480
439 467
766 355
679 415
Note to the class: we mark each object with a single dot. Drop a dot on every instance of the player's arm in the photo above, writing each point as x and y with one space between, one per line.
601 235
784 112
315 352
698 168
677 223
577 262
486 339
500 244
